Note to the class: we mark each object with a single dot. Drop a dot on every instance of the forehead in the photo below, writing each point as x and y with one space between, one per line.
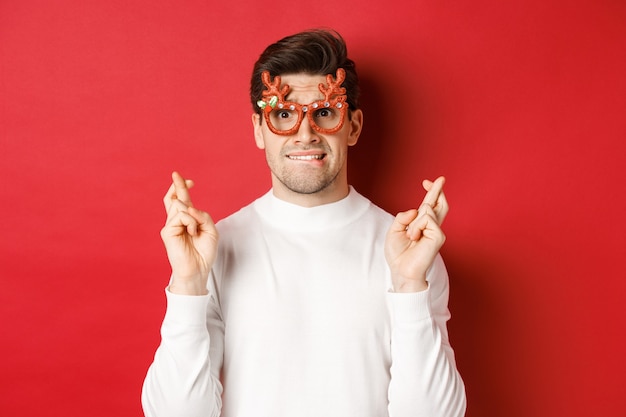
303 87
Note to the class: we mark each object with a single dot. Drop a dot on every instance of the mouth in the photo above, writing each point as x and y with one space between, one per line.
314 157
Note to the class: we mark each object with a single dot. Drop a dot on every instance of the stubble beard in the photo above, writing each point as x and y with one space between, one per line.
306 184
302 180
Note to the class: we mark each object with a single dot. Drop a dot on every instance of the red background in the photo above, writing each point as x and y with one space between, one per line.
520 104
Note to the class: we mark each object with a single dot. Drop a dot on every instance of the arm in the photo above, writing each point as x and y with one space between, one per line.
183 380
424 378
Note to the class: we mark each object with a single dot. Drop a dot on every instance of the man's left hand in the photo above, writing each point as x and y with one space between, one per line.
414 239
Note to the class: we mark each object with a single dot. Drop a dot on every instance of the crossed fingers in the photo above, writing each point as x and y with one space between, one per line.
178 192
435 199
427 218
180 211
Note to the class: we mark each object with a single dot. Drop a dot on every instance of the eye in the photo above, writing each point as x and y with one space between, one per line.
324 113
283 114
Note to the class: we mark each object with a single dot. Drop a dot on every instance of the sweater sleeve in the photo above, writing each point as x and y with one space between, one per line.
183 380
424 378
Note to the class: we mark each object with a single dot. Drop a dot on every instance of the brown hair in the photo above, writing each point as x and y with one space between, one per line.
316 52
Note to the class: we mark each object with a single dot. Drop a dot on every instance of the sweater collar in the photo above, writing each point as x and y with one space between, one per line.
284 215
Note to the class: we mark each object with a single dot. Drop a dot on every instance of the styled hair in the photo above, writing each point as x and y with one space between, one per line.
314 52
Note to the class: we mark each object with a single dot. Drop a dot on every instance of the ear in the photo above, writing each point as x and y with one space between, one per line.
258 131
356 124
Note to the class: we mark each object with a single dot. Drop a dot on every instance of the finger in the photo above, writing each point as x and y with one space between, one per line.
430 230
441 210
167 198
181 190
171 194
425 208
191 220
425 226
176 206
433 191
415 228
440 206
205 222
179 224
402 220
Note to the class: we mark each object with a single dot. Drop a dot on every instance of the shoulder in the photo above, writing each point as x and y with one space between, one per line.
236 219
373 212
242 218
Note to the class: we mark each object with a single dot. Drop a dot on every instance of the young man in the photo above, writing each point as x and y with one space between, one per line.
315 302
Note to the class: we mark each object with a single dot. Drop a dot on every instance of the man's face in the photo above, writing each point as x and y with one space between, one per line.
308 162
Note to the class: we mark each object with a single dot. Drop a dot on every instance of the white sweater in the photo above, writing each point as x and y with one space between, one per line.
300 321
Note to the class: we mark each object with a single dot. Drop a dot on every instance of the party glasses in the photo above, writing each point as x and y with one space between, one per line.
325 116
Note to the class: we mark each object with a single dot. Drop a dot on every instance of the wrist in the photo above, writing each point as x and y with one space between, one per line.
181 287
404 285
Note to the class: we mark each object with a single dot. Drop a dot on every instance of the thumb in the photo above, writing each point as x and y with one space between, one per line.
204 220
402 220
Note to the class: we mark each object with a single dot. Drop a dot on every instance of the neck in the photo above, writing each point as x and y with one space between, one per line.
337 190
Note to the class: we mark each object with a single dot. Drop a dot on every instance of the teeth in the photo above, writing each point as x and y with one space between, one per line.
305 157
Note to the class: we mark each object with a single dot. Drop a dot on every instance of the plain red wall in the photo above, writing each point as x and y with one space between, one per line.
520 104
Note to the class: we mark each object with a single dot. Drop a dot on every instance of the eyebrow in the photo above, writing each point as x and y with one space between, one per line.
319 96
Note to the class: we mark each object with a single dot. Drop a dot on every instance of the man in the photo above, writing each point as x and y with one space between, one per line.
315 302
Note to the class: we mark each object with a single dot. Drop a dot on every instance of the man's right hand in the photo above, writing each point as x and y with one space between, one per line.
190 239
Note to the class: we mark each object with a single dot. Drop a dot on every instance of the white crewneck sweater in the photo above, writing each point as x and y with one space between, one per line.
300 321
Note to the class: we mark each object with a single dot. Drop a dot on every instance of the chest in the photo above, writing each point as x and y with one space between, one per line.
305 287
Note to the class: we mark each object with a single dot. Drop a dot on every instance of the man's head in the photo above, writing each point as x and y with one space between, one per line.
305 98
314 52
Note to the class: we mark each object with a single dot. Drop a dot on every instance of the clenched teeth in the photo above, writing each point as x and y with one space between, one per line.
305 157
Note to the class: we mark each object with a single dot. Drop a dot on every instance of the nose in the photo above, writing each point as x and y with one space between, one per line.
306 134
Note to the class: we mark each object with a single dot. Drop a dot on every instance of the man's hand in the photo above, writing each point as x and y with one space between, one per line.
414 239
190 239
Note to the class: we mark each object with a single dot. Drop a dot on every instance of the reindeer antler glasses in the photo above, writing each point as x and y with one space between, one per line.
284 117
